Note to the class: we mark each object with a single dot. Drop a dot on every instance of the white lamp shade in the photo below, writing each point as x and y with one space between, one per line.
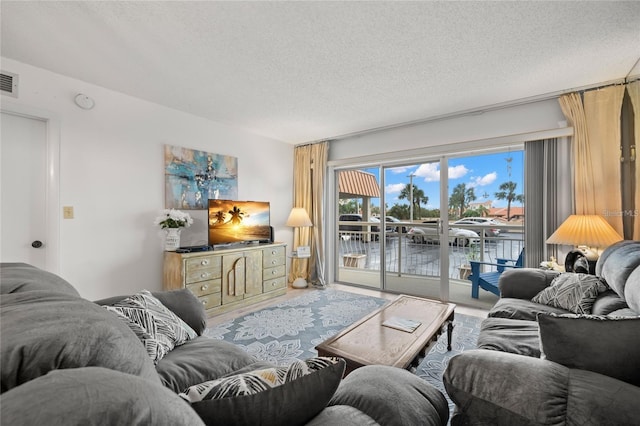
298 218
587 230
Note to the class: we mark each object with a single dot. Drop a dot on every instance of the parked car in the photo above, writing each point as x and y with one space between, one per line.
457 236
351 217
488 232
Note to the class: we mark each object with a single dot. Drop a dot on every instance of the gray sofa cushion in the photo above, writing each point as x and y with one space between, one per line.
44 331
402 399
19 277
200 360
601 344
521 309
93 395
608 302
248 399
619 265
342 415
495 388
509 335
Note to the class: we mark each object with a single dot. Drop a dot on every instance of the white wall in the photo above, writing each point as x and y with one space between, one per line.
534 117
112 173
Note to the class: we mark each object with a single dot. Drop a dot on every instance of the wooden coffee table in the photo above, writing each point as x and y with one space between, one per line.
368 342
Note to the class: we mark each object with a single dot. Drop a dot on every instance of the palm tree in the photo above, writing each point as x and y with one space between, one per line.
220 217
461 197
508 192
236 215
418 196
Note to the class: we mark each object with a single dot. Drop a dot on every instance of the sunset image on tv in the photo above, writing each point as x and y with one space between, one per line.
238 221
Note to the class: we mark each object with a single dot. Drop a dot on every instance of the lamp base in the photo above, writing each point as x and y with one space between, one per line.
299 283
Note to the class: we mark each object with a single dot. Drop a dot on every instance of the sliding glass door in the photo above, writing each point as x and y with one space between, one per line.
414 227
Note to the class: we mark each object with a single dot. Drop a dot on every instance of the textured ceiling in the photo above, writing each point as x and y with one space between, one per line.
304 71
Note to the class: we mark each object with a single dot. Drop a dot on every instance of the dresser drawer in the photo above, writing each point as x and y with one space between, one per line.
206 287
273 256
269 273
203 262
210 300
274 284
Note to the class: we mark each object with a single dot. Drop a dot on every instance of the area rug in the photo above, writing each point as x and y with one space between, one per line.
290 330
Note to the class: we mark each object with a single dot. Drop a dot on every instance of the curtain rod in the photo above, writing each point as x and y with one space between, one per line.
480 110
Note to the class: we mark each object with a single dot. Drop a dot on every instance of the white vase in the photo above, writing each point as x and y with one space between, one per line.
172 239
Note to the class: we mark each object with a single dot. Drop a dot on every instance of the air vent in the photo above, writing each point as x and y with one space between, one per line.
9 83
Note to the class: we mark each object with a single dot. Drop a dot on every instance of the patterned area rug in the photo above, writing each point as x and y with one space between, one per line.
290 330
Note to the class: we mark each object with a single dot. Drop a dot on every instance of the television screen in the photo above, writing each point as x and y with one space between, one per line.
238 221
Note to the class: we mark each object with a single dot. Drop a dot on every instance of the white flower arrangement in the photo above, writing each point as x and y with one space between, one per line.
172 218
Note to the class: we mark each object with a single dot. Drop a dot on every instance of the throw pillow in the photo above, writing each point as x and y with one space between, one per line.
573 292
603 344
159 329
294 394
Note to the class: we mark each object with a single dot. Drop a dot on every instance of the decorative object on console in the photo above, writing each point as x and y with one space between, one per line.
192 178
172 221
587 232
299 218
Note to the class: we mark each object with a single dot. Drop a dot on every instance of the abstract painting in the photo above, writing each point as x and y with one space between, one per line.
193 177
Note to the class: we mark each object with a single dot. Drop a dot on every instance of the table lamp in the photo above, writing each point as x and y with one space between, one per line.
586 232
299 218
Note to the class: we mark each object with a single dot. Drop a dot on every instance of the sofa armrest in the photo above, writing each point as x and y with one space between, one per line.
524 283
181 302
497 388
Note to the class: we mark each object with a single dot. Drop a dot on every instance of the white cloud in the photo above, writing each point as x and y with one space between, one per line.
487 179
399 170
431 172
457 171
394 188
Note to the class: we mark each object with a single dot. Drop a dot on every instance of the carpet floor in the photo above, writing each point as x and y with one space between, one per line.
291 329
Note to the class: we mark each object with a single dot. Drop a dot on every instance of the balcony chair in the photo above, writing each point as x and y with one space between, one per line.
489 280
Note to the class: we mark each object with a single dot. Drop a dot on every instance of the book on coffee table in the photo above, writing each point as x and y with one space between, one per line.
402 324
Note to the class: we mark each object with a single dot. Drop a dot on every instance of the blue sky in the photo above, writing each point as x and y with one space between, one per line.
484 173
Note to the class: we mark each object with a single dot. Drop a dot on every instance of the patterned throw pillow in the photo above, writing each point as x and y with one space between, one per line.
292 394
573 292
159 329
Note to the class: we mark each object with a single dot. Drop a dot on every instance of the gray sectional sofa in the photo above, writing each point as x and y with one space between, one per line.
566 361
67 360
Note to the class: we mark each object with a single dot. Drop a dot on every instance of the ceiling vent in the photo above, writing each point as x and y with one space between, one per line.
9 83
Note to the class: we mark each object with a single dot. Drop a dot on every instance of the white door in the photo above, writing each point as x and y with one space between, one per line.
23 186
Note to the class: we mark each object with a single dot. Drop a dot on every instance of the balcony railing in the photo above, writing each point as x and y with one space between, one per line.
418 253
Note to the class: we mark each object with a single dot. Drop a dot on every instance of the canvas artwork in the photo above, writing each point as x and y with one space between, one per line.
193 177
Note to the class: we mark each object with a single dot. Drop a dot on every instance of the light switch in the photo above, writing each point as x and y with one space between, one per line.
67 212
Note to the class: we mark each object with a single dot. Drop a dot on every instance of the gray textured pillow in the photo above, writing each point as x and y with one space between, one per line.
159 329
290 395
605 345
574 292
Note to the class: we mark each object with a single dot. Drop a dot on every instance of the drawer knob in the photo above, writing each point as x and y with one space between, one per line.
205 262
204 287
204 275
273 272
273 262
204 301
273 252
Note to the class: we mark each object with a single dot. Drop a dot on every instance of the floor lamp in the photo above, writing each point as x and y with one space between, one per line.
298 218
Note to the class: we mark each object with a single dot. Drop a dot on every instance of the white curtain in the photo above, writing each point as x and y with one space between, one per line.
633 89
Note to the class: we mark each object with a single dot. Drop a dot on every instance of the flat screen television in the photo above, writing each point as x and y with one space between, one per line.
233 221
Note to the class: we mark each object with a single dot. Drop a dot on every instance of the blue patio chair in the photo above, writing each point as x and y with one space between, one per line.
489 280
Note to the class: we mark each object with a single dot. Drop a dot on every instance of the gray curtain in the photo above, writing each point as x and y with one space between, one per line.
549 198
